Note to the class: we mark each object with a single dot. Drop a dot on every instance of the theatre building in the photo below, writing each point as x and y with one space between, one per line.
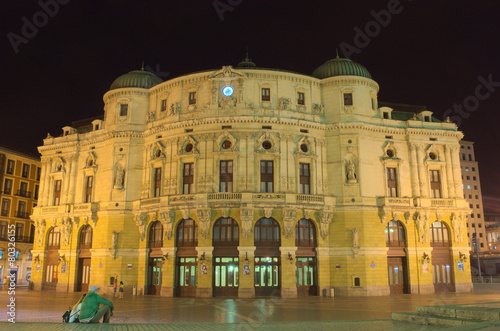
244 182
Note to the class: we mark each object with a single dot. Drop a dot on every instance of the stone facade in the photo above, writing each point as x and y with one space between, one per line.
160 156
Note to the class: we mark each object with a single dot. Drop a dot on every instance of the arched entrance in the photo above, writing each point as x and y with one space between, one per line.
84 259
305 260
267 241
225 257
395 240
155 261
441 260
52 260
187 258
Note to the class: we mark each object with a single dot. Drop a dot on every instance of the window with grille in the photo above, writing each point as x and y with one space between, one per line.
266 94
301 98
266 176
226 232
305 234
267 233
188 178
226 176
192 98
435 183
156 235
395 234
187 233
438 234
57 192
347 99
304 178
157 182
88 189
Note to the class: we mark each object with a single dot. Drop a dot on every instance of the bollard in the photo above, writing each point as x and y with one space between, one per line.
134 292
332 292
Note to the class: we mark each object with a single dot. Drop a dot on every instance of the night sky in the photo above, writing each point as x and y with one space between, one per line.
433 53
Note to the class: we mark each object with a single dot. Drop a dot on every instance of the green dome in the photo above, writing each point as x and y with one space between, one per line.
340 67
136 78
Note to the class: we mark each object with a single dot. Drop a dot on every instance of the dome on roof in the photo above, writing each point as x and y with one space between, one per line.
246 63
136 78
340 67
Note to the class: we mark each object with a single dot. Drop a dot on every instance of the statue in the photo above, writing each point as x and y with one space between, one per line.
120 175
351 172
355 238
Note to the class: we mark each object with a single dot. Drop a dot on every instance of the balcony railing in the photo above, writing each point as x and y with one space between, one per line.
25 194
155 244
310 198
19 239
224 196
85 245
4 213
22 214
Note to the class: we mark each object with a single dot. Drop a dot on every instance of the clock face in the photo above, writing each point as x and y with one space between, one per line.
227 91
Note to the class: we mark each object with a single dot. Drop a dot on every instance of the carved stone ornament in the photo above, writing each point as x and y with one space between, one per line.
114 244
458 226
168 218
119 176
355 238
268 212
246 221
289 218
384 214
40 231
318 109
227 72
66 225
284 103
204 219
225 212
422 227
351 172
140 222
325 219
185 213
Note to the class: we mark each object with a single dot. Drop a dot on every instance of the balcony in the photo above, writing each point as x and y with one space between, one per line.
19 239
22 214
310 198
224 196
25 194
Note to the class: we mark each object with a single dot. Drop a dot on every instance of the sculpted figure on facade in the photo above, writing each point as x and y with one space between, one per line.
65 230
325 219
289 218
457 224
246 221
140 222
355 238
422 227
40 231
351 172
204 218
284 103
119 177
168 218
114 244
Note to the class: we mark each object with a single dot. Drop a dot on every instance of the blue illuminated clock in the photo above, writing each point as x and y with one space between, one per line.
227 91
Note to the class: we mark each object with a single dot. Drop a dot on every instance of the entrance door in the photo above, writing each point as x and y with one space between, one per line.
83 275
226 276
305 268
441 271
155 274
267 276
186 276
396 271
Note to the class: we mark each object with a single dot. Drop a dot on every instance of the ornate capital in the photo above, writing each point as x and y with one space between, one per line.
203 215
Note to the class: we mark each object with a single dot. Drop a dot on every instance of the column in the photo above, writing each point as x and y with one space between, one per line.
457 174
246 288
449 172
66 181
73 174
415 185
46 183
424 192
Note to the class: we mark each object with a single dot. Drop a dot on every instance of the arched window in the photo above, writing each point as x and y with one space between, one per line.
187 233
438 234
226 232
395 234
86 237
156 235
267 233
54 238
305 234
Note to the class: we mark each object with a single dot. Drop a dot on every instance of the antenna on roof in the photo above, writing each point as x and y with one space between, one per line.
337 53
142 67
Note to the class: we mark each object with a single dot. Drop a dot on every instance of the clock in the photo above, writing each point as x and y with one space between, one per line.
227 91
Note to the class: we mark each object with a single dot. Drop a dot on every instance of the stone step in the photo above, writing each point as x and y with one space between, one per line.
461 312
431 319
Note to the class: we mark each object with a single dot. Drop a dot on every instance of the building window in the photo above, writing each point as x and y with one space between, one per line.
347 99
305 234
395 234
35 194
57 192
470 157
267 233
435 184
385 115
86 237
266 176
477 196
301 98
156 235
157 191
304 178
392 182
26 170
54 238
466 168
468 177
475 187
473 177
7 187
266 94
88 189
19 231
5 207
438 234
192 98
226 176
163 105
188 178
187 233
473 169
226 232
123 110
10 167
38 173
21 210
463 156
3 230
23 190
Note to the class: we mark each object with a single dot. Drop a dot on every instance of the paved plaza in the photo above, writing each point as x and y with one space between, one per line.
43 310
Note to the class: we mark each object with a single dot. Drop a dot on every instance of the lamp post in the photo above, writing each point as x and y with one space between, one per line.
477 253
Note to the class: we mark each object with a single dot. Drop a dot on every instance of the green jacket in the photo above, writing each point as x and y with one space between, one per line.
90 305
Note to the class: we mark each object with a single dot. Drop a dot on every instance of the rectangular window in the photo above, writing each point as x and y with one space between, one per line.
5 207
266 94
21 210
57 192
23 190
226 176
19 230
163 105
3 230
38 173
304 178
88 189
347 99
7 187
157 191
301 98
470 157
35 195
392 182
26 170
188 178
386 115
266 176
192 98
10 167
435 184
123 109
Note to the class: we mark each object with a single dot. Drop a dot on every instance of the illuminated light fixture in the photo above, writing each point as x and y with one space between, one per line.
425 258
165 257
290 257
462 256
37 258
227 91
246 257
202 258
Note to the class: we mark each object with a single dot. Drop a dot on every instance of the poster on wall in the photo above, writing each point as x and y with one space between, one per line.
63 268
203 269
425 268
460 266
246 269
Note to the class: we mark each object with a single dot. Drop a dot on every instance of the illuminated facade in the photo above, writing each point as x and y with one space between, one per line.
253 182
19 177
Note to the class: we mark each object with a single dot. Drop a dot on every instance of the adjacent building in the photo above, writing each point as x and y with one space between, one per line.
19 180
249 181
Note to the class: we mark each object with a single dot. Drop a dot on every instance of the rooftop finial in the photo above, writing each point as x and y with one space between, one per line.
337 53
142 67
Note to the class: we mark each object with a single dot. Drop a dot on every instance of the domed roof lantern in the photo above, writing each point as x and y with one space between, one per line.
340 67
137 78
246 62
